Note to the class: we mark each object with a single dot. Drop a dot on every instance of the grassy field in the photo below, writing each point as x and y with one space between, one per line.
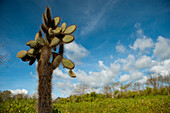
147 104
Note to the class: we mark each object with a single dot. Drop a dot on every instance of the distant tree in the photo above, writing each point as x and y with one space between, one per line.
5 95
114 87
158 80
137 87
107 90
81 89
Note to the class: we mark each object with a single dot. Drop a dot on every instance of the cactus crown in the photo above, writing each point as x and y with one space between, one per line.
55 35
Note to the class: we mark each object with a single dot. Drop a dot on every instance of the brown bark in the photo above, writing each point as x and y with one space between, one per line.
45 71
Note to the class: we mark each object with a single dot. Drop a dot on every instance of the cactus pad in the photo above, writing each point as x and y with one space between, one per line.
70 29
71 73
48 14
57 30
50 32
30 52
56 61
63 27
45 20
32 61
39 34
55 41
57 21
44 28
21 54
68 38
41 41
32 44
68 63
26 58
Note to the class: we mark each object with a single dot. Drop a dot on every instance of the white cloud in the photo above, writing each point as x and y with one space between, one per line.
142 42
58 74
75 52
161 67
65 87
120 48
143 80
128 64
98 79
19 91
124 78
162 48
143 62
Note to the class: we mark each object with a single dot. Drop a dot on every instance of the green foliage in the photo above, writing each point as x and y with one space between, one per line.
149 104
91 103
18 106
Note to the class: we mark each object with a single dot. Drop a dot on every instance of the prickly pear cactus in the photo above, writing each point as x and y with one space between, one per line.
41 49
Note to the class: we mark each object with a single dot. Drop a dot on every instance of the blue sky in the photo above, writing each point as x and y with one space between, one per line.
115 40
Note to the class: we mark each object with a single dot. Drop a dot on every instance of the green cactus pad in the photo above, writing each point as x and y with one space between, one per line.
68 38
39 34
32 44
57 30
21 54
71 73
55 41
70 29
45 20
48 14
26 58
41 41
57 21
32 61
44 28
56 61
50 32
63 27
68 63
31 52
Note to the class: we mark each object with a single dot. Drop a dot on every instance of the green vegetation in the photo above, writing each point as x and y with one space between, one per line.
148 104
143 104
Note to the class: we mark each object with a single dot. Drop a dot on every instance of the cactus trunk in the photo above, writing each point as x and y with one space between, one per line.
45 78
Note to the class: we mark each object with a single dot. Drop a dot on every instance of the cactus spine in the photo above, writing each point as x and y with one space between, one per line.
41 50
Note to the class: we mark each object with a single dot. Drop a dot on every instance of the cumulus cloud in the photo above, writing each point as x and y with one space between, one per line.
93 79
124 78
75 52
162 49
98 79
142 43
120 48
59 74
65 87
19 91
143 62
162 67
128 63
